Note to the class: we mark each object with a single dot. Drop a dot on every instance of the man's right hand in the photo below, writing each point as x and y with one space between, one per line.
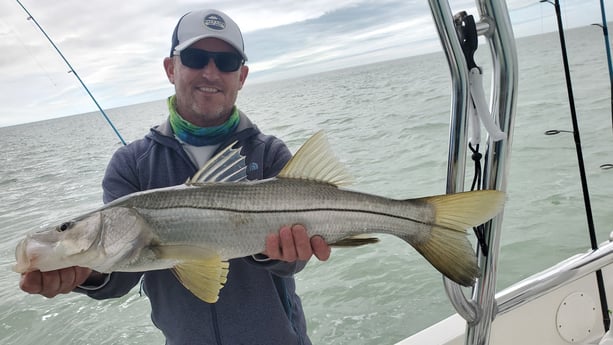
53 283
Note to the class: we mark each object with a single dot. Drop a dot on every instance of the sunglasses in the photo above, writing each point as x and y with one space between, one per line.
197 59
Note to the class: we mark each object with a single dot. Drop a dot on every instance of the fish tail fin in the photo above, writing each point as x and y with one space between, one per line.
448 248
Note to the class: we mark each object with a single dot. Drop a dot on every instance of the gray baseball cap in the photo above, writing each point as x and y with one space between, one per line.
196 25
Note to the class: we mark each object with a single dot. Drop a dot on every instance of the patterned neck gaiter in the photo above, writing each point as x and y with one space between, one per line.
200 136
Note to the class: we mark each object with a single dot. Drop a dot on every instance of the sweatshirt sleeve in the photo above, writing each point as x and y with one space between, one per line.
120 179
276 156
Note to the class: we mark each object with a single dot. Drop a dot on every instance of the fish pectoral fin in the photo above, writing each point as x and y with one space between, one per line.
355 241
203 278
226 166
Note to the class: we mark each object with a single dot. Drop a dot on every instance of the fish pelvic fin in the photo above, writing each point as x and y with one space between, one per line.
315 161
448 248
203 278
201 271
226 166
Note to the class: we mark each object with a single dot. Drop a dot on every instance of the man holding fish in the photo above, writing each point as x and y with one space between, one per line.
218 254
258 304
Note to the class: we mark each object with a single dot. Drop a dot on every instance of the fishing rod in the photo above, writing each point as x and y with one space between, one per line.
578 149
605 32
72 70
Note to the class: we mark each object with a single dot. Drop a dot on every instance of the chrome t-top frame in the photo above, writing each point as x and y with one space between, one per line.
495 25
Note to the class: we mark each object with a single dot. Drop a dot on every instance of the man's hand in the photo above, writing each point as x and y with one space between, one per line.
293 243
53 283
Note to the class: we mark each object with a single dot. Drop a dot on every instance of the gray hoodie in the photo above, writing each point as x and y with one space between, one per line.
258 304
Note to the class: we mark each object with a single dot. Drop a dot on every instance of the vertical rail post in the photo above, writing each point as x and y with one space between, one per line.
456 163
481 309
503 103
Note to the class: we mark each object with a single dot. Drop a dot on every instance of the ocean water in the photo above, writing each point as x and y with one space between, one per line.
388 122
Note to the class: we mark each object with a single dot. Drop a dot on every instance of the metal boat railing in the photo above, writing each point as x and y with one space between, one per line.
565 272
495 25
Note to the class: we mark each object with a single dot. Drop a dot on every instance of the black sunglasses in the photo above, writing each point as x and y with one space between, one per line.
198 58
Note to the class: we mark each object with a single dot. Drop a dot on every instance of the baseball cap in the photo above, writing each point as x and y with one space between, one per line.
196 25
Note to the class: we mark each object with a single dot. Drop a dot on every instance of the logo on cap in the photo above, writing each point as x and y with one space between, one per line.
214 22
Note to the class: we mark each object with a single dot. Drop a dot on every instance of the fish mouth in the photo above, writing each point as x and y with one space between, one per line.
23 263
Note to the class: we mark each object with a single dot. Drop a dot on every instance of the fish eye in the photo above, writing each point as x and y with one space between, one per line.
64 226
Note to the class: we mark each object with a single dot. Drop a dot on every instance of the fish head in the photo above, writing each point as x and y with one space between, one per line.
70 243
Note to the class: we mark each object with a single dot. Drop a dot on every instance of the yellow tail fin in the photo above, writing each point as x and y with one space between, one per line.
448 248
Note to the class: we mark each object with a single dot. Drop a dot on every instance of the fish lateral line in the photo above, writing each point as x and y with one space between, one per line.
307 210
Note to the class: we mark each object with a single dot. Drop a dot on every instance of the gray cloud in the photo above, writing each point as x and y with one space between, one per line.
117 46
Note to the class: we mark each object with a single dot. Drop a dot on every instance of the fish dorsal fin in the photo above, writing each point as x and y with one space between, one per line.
226 166
315 161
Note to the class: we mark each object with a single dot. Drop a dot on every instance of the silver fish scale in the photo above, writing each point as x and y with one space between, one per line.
233 219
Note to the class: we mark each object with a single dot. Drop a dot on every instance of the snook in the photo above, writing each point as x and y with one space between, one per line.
196 227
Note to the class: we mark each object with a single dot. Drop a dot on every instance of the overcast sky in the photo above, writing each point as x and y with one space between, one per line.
117 47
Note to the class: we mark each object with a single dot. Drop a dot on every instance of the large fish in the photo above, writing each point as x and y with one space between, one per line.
195 228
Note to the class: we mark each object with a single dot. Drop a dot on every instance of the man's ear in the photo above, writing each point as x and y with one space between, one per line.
243 75
169 67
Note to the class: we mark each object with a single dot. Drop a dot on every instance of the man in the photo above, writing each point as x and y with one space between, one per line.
258 304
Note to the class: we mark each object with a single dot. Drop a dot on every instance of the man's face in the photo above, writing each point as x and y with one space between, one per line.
205 96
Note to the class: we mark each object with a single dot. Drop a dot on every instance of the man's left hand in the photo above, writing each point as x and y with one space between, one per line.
293 243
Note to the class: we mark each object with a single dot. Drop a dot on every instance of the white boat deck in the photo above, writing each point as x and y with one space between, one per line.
557 306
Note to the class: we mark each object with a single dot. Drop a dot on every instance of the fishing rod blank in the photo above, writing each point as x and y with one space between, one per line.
605 32
72 70
577 137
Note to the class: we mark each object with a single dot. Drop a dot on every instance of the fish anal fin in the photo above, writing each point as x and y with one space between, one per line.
355 241
315 161
203 278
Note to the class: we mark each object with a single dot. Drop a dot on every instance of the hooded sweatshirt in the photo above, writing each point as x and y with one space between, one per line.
258 304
